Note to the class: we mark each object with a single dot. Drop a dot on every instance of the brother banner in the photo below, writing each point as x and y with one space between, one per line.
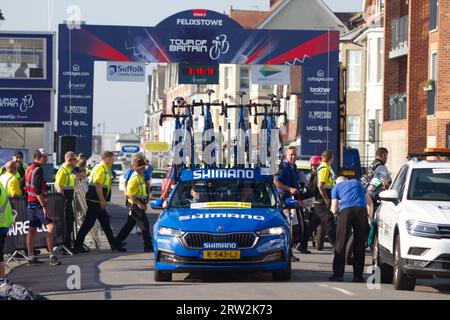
75 94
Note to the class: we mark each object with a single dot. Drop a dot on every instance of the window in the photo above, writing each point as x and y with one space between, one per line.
369 60
244 79
400 181
434 15
354 69
397 103
431 108
353 135
380 6
430 186
380 58
228 78
22 58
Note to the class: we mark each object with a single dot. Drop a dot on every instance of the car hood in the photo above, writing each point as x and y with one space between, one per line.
223 220
429 211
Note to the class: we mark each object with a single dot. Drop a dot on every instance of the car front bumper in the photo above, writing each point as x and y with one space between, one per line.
268 254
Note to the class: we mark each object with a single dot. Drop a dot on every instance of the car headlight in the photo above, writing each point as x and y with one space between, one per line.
163 231
422 229
276 231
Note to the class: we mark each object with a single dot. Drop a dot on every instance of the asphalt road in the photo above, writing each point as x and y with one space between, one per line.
106 275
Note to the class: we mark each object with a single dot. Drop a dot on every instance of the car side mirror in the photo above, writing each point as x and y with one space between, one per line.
390 196
291 204
157 204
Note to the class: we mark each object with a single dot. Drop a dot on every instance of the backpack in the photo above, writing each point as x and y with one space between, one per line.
365 179
10 291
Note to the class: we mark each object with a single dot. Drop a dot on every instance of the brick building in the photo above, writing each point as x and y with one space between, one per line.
416 88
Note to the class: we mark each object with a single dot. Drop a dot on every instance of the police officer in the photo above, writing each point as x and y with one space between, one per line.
137 196
324 185
37 208
97 196
65 184
287 182
354 208
6 221
10 180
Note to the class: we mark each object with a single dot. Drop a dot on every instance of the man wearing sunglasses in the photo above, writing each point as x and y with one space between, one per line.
65 183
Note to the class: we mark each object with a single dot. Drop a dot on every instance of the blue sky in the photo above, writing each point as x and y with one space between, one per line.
110 98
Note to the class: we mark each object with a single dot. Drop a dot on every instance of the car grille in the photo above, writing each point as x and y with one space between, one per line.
444 231
441 262
196 240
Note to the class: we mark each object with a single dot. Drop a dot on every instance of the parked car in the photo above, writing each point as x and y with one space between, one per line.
412 238
157 179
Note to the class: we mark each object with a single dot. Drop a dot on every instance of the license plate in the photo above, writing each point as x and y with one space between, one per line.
221 255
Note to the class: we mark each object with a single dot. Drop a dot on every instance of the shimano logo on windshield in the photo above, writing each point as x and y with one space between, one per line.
219 245
221 215
223 174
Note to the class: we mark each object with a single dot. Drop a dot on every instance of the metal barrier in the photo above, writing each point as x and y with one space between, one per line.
16 241
80 209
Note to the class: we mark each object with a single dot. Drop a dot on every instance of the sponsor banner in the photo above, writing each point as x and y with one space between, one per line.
218 174
320 111
75 103
130 149
198 74
230 204
17 234
125 71
270 75
24 106
206 38
221 215
158 146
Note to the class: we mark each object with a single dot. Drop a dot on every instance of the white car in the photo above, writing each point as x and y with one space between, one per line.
119 169
157 179
413 224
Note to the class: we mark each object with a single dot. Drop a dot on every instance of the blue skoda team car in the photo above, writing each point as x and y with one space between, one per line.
223 220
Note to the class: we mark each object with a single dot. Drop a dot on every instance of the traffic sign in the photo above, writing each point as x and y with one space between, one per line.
160 146
131 149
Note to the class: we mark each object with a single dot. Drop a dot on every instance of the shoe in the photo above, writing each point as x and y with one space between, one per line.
304 251
119 249
336 278
76 250
53 261
36 252
294 258
34 261
359 280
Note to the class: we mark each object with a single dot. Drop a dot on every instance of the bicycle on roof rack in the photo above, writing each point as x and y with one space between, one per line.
243 131
208 127
268 124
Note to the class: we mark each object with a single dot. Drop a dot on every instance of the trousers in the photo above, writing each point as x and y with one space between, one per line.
95 212
139 218
354 218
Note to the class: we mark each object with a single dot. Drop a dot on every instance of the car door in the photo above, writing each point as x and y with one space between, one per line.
389 212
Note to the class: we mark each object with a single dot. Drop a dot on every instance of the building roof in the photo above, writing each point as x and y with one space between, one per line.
249 19
352 34
346 18
127 137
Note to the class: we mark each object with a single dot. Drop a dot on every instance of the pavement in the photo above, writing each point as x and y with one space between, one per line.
105 275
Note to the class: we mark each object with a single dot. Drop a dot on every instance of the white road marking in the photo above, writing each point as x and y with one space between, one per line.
338 289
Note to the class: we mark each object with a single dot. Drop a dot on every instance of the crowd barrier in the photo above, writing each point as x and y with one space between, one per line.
17 235
16 241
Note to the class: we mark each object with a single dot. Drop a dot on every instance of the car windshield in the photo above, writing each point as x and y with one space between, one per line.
117 167
430 184
224 194
159 175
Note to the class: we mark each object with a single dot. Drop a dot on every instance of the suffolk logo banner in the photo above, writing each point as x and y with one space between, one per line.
270 75
126 71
